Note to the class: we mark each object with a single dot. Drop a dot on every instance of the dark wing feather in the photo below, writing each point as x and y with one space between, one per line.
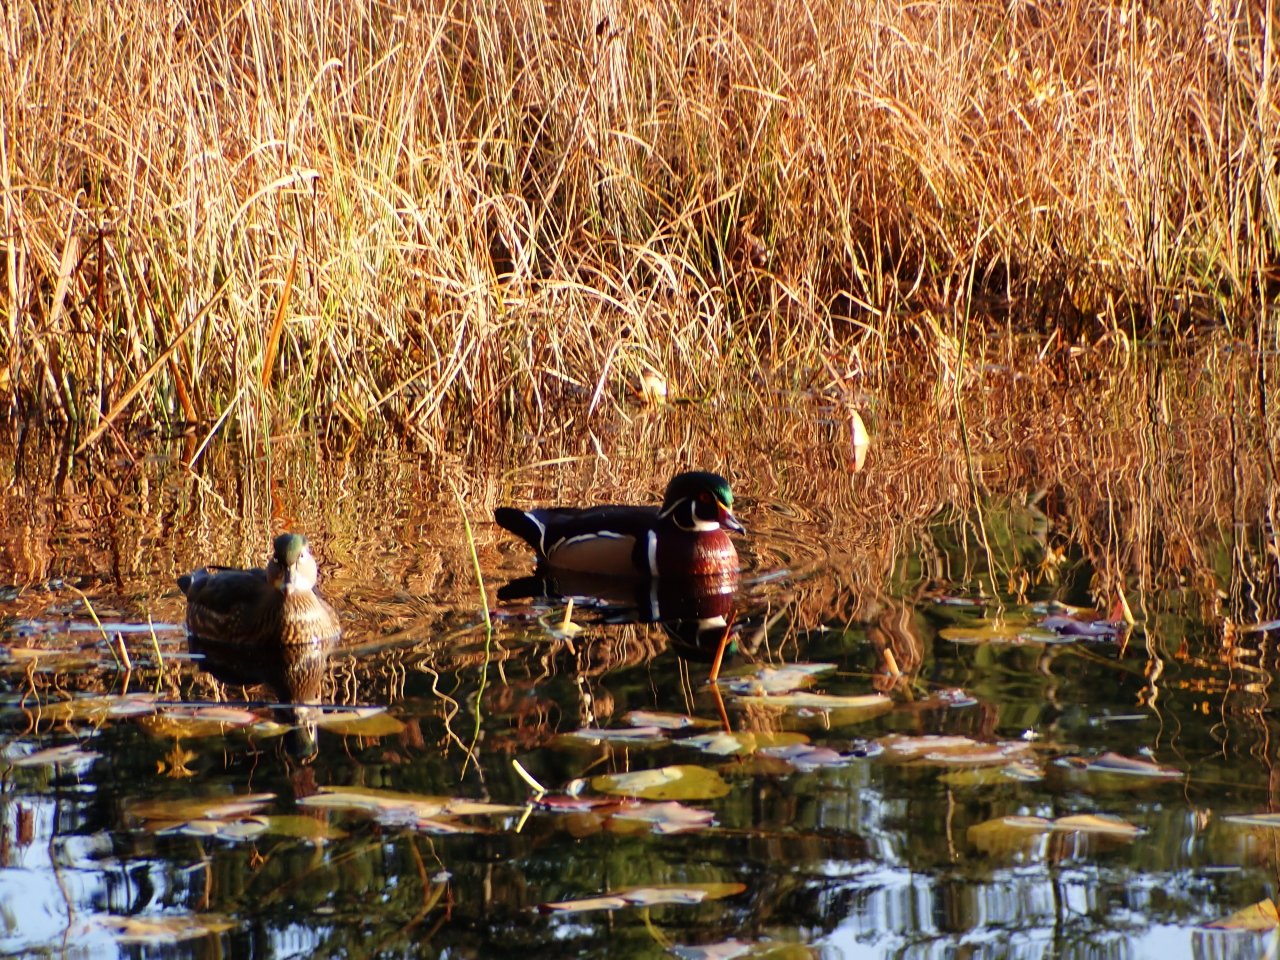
561 523
220 600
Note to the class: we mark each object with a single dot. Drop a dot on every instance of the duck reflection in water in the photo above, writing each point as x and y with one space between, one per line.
266 626
695 612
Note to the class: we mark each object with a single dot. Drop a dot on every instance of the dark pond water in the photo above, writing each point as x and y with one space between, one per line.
934 733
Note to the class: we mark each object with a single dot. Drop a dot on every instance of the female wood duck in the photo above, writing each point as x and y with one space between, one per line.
278 605
684 537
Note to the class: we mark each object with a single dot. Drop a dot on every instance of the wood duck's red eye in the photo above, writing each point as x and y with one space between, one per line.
704 497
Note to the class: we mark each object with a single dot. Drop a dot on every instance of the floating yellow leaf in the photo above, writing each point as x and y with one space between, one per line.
395 803
692 893
67 753
1112 772
953 750
368 722
1008 833
95 709
1096 823
1003 632
182 809
850 709
243 828
668 817
663 721
303 828
726 744
1131 766
859 440
1260 917
1005 835
619 734
764 680
196 722
681 782
1270 821
174 764
168 928
990 776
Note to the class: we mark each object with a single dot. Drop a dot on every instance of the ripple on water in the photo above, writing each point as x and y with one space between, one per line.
784 541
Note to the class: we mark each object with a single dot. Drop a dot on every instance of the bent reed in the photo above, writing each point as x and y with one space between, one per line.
407 213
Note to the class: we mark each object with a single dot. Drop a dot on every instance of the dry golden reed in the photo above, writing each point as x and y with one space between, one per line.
407 213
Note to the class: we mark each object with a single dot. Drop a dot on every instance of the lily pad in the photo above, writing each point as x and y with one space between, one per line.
562 803
681 782
1069 626
1096 823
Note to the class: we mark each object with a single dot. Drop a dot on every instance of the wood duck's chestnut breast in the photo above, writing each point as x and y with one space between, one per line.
699 555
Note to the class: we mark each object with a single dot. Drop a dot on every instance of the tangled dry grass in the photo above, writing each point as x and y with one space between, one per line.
411 213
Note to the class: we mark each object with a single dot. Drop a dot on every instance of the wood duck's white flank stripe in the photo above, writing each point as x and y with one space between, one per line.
586 537
651 551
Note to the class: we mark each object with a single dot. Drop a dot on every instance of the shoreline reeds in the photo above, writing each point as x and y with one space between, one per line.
401 214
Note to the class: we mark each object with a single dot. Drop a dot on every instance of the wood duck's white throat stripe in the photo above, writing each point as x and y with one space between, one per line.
671 509
699 525
651 551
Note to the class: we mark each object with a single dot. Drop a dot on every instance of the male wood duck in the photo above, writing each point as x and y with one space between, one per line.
278 605
685 537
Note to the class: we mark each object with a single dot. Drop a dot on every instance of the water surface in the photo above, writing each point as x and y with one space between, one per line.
971 574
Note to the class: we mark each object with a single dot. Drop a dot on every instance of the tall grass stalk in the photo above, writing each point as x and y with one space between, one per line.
410 213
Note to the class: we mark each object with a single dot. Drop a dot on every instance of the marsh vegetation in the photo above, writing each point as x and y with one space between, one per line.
368 215
370 271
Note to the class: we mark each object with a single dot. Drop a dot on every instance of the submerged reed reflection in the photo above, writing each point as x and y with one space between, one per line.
907 604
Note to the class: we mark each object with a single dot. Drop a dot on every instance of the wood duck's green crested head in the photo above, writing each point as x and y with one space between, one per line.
700 501
292 566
